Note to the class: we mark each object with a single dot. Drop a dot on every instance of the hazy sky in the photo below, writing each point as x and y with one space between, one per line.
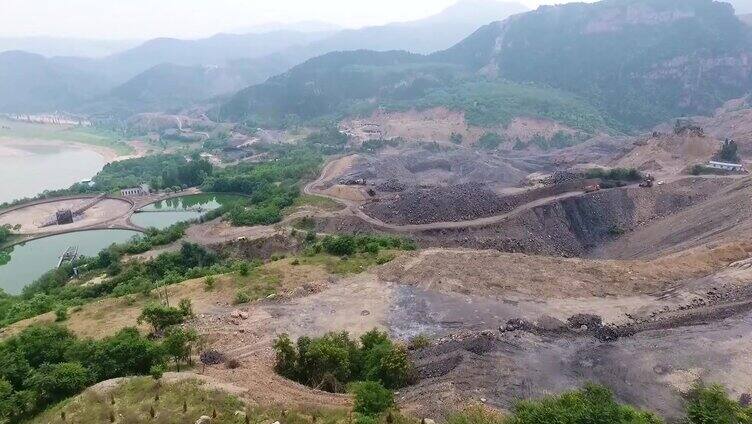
139 19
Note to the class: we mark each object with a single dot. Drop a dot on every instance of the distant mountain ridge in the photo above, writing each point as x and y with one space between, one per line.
639 61
644 61
245 59
31 82
60 46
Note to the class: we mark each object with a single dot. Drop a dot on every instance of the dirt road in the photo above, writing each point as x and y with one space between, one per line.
355 208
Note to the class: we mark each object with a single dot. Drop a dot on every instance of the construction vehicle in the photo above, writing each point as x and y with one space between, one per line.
647 182
592 188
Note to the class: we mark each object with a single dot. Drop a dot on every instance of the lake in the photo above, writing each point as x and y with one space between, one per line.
32 259
171 211
29 168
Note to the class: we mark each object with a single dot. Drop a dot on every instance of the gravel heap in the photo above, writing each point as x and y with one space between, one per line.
460 202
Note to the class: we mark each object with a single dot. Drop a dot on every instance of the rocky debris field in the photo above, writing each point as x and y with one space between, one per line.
462 202
415 166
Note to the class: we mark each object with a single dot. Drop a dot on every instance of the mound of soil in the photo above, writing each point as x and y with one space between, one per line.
460 202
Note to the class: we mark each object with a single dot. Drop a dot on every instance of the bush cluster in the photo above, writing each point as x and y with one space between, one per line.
346 245
45 364
332 361
616 174
272 186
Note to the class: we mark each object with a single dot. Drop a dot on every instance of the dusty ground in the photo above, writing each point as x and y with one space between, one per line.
31 217
668 154
438 124
448 292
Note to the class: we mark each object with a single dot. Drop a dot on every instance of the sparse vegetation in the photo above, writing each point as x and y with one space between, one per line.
52 291
729 152
133 401
699 169
490 141
421 341
616 174
258 284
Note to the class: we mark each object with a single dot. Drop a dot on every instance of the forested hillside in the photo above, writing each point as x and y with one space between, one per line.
638 61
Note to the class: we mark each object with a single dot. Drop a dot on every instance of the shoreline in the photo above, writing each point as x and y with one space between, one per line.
108 154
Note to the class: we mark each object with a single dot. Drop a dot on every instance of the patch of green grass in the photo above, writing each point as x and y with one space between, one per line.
135 399
304 224
346 265
86 135
258 284
320 202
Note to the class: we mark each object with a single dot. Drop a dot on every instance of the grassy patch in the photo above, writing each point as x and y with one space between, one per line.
319 202
135 399
258 284
345 265
92 136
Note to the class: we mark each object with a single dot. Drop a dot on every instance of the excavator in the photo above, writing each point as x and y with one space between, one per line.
647 182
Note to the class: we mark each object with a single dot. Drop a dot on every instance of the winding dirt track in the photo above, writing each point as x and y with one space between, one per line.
355 208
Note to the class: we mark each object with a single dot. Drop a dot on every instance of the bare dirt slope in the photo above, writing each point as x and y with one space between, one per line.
438 124
724 216
733 120
485 272
668 154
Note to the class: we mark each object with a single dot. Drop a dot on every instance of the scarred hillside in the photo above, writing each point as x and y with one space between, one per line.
639 61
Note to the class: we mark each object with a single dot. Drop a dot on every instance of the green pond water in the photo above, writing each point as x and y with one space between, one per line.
27 169
167 212
32 259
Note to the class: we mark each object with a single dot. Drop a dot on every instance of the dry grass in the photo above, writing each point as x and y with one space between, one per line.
106 317
135 398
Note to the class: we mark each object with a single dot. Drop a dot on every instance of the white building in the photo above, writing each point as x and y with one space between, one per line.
735 167
141 190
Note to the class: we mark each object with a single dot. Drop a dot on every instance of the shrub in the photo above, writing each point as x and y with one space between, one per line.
711 405
591 404
209 283
161 316
616 174
333 360
339 245
156 371
241 297
54 382
371 398
490 141
421 341
61 314
728 152
456 138
178 343
287 357
475 415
